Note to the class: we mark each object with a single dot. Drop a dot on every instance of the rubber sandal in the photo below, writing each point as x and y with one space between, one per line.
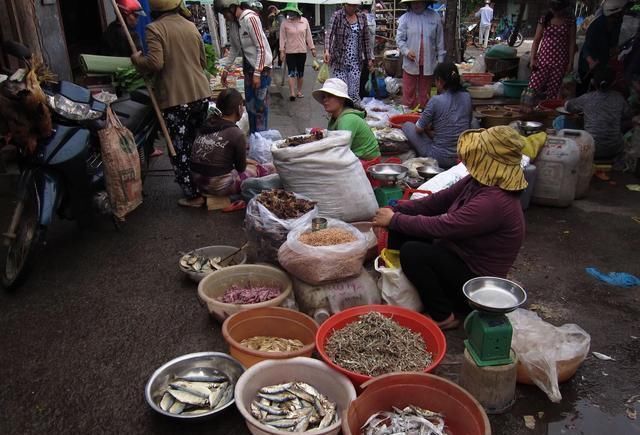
235 206
156 153
292 98
300 95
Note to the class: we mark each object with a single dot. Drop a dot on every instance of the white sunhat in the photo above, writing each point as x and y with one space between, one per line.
353 2
611 7
334 87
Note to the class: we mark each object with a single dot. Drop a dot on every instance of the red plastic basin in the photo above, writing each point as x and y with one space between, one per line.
463 415
432 335
396 121
552 104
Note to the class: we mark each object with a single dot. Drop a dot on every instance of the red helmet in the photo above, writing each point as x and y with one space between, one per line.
128 7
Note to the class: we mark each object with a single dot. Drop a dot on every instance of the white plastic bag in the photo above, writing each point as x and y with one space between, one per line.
396 288
260 145
243 124
321 264
543 349
414 164
266 232
479 66
321 301
327 171
443 180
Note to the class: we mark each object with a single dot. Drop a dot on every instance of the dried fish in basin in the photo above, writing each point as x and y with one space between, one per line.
193 262
375 344
272 344
195 395
293 407
411 420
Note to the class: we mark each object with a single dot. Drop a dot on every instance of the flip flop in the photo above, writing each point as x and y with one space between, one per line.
292 98
235 206
300 95
156 153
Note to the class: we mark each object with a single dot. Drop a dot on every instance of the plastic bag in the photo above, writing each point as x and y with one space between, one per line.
321 264
393 85
443 180
323 74
338 183
546 351
260 145
414 164
122 171
243 124
396 288
266 232
479 66
321 301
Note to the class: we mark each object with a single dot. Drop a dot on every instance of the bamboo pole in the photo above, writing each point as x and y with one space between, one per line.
154 102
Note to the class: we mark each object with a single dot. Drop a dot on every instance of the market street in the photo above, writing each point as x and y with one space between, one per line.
101 310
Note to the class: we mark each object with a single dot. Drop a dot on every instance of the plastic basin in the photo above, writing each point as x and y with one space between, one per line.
396 121
514 88
334 386
431 333
478 79
270 322
463 414
552 104
214 285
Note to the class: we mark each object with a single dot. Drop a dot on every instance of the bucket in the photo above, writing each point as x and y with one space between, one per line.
462 413
502 68
514 88
269 322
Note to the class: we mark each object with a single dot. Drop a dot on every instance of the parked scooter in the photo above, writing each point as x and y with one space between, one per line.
64 175
502 34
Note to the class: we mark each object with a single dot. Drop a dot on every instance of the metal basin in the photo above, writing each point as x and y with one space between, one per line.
497 295
428 171
201 363
221 251
530 127
388 171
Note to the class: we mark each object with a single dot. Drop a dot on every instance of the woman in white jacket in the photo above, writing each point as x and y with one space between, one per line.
420 40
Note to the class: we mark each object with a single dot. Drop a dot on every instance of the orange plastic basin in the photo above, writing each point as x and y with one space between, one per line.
396 121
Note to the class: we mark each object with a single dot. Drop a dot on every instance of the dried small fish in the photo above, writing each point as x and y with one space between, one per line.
272 344
293 407
602 356
284 204
410 420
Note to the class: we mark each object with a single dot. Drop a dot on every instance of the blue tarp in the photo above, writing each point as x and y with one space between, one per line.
143 21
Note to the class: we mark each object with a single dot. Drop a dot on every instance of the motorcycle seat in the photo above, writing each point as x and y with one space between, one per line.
133 115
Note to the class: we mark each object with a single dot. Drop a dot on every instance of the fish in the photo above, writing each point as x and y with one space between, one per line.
298 413
302 425
211 378
215 397
166 402
280 397
227 395
195 388
188 398
270 409
177 408
275 389
255 411
328 418
303 386
302 395
283 423
410 420
195 412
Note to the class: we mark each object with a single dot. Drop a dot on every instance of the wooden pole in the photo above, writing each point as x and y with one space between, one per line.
213 30
154 102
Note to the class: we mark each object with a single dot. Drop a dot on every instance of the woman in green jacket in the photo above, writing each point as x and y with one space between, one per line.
334 97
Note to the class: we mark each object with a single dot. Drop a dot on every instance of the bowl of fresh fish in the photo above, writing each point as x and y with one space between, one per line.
194 386
202 261
415 403
294 395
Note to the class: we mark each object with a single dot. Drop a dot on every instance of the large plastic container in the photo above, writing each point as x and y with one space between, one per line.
214 285
463 414
557 177
334 386
270 322
587 148
431 333
530 174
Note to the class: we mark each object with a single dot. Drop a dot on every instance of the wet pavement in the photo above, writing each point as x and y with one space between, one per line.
101 310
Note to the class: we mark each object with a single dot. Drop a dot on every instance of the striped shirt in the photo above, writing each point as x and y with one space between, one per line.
254 43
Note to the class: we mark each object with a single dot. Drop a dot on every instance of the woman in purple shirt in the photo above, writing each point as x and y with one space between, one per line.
473 228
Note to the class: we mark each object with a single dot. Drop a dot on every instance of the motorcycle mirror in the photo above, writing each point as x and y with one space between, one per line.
17 49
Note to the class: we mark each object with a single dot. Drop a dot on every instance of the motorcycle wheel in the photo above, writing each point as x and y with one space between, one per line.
519 40
19 252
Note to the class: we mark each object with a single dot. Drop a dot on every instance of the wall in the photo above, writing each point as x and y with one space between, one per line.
54 47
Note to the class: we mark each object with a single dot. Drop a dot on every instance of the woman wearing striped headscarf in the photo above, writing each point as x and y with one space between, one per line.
473 228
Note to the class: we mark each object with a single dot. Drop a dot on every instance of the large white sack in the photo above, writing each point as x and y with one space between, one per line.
327 171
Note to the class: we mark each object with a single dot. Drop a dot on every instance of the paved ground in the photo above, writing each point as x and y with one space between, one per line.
101 310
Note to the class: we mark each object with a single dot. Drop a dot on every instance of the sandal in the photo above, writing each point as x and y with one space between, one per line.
292 98
192 202
300 95
235 206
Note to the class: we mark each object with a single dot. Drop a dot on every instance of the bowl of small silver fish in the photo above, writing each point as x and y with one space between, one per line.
194 386
202 261
295 395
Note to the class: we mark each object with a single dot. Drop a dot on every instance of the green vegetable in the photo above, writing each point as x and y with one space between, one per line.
211 59
129 79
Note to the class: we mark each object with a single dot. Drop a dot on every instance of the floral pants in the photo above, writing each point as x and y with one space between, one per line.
183 123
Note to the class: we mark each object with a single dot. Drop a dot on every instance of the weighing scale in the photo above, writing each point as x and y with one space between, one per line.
389 177
488 328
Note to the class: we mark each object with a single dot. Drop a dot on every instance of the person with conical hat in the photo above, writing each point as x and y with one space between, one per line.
473 228
295 41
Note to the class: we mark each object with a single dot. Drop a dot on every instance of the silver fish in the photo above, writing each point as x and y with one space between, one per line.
188 398
255 411
275 389
298 413
177 408
166 402
197 389
227 395
270 409
195 412
214 378
302 395
302 425
307 389
282 424
280 397
215 396
328 418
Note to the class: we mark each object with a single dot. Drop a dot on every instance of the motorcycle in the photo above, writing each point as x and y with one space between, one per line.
64 174
502 34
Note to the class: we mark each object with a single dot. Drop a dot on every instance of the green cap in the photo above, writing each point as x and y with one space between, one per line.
292 7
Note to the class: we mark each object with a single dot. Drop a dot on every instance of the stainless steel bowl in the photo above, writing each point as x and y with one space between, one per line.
388 171
428 171
201 363
214 251
530 127
497 295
